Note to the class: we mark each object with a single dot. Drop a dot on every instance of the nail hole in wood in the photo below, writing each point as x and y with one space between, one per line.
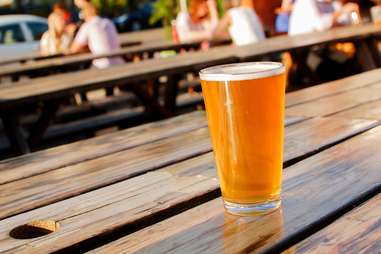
34 229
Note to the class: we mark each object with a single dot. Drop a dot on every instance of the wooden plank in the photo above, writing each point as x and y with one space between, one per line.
371 110
144 36
334 87
134 199
43 161
336 103
359 231
313 190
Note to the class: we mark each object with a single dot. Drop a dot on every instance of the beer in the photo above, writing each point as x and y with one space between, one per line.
245 109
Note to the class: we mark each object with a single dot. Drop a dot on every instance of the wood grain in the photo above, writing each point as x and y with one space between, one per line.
37 163
312 189
334 87
19 196
359 231
336 103
111 207
28 193
371 110
66 155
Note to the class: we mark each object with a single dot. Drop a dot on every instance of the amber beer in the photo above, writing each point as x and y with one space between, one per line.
245 108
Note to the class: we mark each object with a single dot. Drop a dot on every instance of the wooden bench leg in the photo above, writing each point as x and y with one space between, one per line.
38 129
303 75
364 56
372 44
170 93
14 133
149 101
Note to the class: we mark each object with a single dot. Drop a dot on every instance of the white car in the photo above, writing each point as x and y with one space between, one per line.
20 35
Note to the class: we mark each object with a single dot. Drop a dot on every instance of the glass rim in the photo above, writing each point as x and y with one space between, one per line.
242 71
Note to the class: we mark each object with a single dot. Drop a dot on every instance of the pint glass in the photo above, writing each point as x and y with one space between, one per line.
245 109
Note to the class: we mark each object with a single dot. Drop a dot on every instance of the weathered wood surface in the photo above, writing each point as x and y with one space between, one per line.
66 84
43 161
61 156
335 87
313 190
332 104
113 158
110 204
359 231
371 110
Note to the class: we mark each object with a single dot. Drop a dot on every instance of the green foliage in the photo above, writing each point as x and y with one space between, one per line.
165 11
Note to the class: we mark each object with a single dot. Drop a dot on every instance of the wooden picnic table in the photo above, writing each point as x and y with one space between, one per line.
126 39
154 189
77 62
364 36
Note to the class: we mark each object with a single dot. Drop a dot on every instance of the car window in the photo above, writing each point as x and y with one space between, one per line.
37 29
10 34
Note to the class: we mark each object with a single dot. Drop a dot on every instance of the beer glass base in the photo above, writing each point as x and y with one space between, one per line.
252 209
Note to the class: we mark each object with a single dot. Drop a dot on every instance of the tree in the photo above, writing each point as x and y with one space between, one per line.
166 11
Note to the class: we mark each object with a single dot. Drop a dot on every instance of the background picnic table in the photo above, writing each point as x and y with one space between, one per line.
154 188
364 36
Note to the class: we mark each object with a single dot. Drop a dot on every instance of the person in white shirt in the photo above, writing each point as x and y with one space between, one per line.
375 12
243 23
319 15
199 23
99 35
56 40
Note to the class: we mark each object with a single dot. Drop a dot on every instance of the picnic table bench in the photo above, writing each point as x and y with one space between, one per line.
154 188
364 36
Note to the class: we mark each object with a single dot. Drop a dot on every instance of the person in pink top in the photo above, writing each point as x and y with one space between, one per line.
98 35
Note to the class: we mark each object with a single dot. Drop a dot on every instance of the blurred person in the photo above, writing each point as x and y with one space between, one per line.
80 4
243 24
60 9
375 12
98 35
318 15
199 23
56 40
283 16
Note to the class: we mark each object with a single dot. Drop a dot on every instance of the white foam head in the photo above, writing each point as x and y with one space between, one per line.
242 71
